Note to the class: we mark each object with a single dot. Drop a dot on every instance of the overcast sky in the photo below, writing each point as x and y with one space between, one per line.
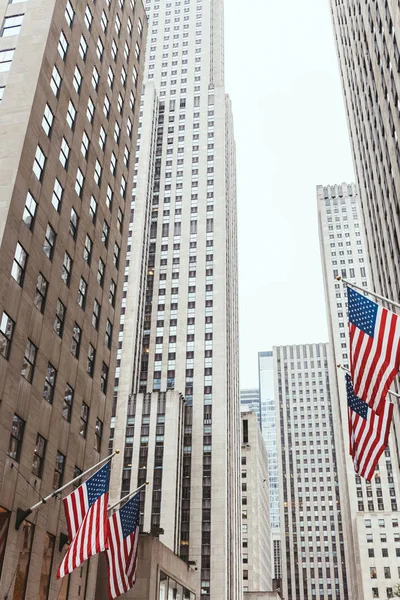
291 135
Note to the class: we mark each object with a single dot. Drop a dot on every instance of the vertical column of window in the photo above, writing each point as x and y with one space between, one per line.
186 481
158 463
128 448
144 450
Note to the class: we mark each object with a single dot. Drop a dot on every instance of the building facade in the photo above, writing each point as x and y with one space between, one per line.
250 402
372 507
179 325
70 76
256 530
314 561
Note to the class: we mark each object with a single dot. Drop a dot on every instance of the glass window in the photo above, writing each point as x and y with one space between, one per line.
6 332
49 242
109 197
69 13
104 378
97 173
77 80
79 181
105 233
39 163
98 435
47 121
88 18
62 46
372 572
28 366
71 115
47 563
12 25
82 293
24 559
76 340
106 106
73 223
112 293
87 250
67 404
104 21
85 144
55 82
38 456
59 470
17 434
41 292
96 314
90 110
6 57
60 318
90 360
50 383
64 153
93 209
28 216
108 334
56 198
102 138
100 49
83 48
100 272
84 419
116 253
95 79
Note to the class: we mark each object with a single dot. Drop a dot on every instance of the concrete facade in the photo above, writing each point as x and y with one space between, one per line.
250 402
314 561
65 187
256 530
183 334
344 252
156 564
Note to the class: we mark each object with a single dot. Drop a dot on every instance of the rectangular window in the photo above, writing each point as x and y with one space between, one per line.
87 250
60 318
47 121
49 242
12 25
76 340
116 255
28 366
29 211
64 153
98 435
17 434
67 404
69 13
47 563
55 82
97 173
84 419
96 314
50 383
93 209
100 272
39 163
82 291
71 115
88 18
4 523
6 332
108 334
83 48
59 470
73 223
112 293
24 560
85 145
57 195
62 46
79 181
90 360
41 292
77 81
66 269
104 378
6 57
105 233
90 110
38 456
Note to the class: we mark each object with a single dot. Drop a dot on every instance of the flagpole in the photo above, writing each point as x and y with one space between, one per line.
22 514
357 287
348 371
126 498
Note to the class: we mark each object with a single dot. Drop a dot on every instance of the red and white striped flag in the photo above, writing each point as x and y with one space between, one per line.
86 514
374 349
368 432
123 539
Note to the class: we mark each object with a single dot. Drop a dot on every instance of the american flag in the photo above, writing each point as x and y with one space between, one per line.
374 349
368 432
86 515
122 547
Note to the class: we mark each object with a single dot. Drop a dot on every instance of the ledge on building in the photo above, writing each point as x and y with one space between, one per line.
261 596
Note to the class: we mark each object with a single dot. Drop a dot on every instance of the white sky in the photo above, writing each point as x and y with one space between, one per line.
291 135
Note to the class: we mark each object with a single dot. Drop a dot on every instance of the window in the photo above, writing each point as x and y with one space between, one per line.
79 181
66 269
120 103
64 153
17 434
12 25
126 157
123 76
386 571
56 198
137 54
49 384
117 25
116 253
41 292
112 293
140 27
106 107
39 163
100 49
100 272
108 334
19 264
59 318
82 291
122 189
6 332
59 470
77 81
29 211
83 48
90 110
38 456
134 72
110 78
73 223
71 115
109 197
104 378
84 419
76 340
117 131
49 242
102 138
104 21
87 250
96 314
90 360
131 100
88 18
98 435
47 121
55 82
62 46
372 572
28 366
6 57
114 50
129 127
375 592
120 219
95 79
97 173
67 403
113 163
69 14
105 233
93 209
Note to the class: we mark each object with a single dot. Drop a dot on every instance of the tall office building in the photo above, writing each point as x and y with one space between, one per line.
269 429
256 529
179 327
370 517
313 551
250 402
70 73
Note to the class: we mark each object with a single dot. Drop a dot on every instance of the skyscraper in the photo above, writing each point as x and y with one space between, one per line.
371 508
179 327
70 74
314 560
250 401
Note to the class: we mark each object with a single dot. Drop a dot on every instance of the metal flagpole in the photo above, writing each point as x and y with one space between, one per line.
22 514
126 498
357 287
348 371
